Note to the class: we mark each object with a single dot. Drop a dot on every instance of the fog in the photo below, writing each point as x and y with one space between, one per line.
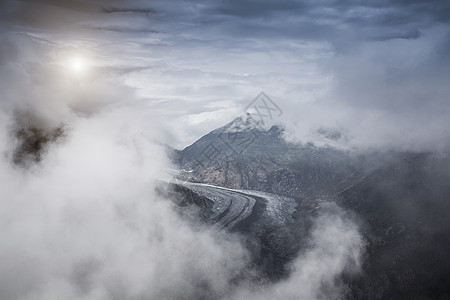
81 149
84 222
335 247
80 218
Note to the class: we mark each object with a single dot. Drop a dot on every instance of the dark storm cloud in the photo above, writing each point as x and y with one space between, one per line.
304 20
257 9
76 16
325 19
145 11
138 30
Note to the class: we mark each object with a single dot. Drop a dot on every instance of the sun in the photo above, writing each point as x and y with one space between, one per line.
78 65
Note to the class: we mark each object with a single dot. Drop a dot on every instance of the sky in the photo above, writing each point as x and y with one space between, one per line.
376 70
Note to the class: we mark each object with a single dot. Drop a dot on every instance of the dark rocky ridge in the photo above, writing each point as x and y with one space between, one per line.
32 142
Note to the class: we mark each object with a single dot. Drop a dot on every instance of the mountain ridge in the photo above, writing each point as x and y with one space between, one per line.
400 198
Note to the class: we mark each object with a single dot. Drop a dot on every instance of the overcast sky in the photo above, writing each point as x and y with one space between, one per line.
378 70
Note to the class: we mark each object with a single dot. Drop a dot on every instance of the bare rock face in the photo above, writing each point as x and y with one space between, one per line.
249 157
32 143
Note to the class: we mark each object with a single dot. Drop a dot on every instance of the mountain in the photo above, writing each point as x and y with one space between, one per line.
244 155
405 212
401 199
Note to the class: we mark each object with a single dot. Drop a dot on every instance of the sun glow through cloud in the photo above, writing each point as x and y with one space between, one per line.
78 65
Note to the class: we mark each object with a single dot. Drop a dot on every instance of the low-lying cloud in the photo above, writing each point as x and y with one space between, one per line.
335 247
83 220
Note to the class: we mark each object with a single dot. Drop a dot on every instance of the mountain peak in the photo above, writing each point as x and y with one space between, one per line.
242 124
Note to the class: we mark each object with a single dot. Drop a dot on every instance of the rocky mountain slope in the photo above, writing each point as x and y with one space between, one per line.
243 155
401 199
